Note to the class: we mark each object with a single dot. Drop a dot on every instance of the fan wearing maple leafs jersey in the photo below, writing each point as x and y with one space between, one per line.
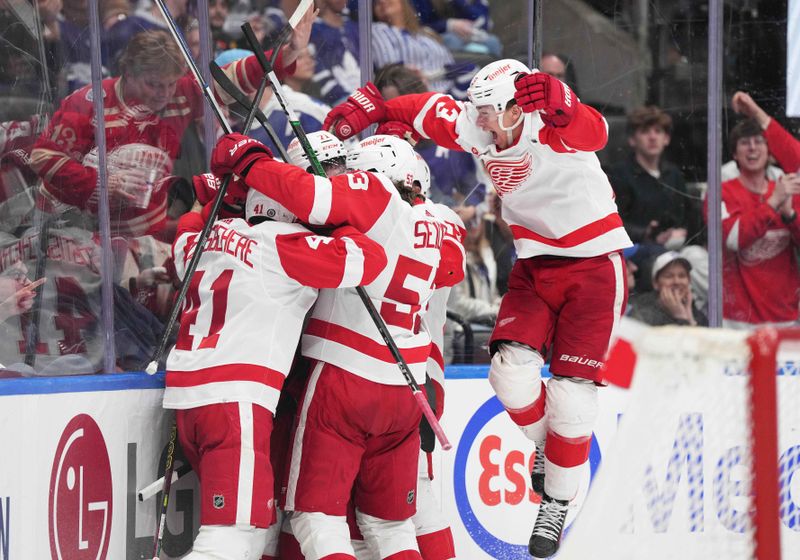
357 427
536 141
151 104
241 323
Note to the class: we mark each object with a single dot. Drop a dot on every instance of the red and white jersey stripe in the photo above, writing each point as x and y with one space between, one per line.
341 331
435 316
246 303
555 196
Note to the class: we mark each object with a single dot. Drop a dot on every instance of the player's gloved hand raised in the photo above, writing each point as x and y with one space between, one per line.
400 130
542 92
236 153
365 107
206 187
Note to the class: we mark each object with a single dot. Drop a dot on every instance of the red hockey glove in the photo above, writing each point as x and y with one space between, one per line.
206 187
365 107
542 92
235 153
400 130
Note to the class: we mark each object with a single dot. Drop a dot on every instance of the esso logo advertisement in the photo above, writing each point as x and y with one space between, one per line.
492 485
80 493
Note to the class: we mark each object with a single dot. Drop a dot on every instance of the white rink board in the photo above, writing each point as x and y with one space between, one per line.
482 476
70 459
482 481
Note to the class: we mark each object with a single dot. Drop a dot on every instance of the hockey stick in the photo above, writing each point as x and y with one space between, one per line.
187 56
419 395
168 468
31 333
201 240
190 269
154 487
228 87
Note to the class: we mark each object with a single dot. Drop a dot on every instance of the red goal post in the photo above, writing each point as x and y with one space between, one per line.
703 460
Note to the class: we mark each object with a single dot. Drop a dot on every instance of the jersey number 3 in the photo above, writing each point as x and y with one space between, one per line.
219 306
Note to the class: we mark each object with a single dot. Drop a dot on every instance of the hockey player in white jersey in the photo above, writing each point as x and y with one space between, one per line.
357 430
434 537
536 141
241 323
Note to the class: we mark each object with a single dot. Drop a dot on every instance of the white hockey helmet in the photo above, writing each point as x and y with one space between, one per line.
385 154
259 204
325 145
494 83
423 176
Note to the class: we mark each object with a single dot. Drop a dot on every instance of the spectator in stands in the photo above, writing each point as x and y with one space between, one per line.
266 17
561 67
651 193
147 17
501 239
463 24
760 233
16 291
75 48
147 110
218 11
784 147
309 110
398 37
670 302
630 270
335 40
476 299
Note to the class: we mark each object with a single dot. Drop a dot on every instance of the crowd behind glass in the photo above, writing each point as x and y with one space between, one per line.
54 315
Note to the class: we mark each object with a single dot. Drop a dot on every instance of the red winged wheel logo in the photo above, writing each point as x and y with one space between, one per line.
508 175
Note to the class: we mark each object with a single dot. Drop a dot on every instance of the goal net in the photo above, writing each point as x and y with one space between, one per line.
703 460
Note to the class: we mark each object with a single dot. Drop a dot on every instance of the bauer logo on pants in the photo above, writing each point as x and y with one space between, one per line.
80 493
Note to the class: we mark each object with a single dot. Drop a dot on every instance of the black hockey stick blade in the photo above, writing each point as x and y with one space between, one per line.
241 99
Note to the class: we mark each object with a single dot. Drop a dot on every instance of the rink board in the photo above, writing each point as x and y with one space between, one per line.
75 450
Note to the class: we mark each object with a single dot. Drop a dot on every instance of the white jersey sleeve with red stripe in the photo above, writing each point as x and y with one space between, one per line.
246 303
342 333
555 196
357 198
435 315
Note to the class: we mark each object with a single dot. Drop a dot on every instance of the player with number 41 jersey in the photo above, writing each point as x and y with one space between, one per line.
241 323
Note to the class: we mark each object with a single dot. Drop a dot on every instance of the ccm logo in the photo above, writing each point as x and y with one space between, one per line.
581 361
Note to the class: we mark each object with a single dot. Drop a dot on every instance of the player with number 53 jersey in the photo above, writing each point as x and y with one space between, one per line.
357 427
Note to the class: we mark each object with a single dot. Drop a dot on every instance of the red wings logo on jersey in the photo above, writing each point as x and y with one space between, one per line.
508 175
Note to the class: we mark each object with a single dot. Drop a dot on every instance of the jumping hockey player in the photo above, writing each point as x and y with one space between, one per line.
567 289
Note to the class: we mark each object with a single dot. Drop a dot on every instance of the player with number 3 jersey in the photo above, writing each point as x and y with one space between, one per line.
566 292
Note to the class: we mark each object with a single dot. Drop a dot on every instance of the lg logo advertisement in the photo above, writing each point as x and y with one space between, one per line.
491 488
70 471
81 493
